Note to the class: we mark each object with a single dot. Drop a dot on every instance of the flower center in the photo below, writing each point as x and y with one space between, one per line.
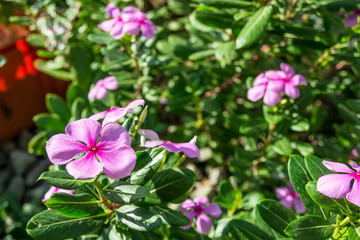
93 149
198 209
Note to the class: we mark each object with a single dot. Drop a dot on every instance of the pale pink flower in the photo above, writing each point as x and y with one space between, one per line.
102 86
111 153
352 20
188 148
53 190
338 185
197 207
116 113
289 198
264 87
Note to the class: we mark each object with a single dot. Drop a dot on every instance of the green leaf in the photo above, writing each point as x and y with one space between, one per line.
170 184
49 122
74 92
275 215
80 67
299 177
212 18
77 108
270 116
301 126
59 74
101 38
36 40
61 179
348 115
146 166
327 203
74 205
38 142
201 54
3 60
51 225
123 192
138 218
25 21
252 232
170 216
283 147
354 233
226 3
315 167
57 105
309 227
354 104
254 27
45 54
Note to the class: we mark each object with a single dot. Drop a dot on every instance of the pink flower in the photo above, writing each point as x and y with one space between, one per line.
116 113
53 190
131 20
264 87
338 185
101 87
189 148
203 222
289 198
111 153
352 20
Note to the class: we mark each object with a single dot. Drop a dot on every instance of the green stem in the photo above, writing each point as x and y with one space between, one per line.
103 200
181 160
339 226
163 162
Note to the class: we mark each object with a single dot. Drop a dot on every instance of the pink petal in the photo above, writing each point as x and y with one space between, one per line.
191 216
271 98
53 190
84 167
287 201
117 31
130 11
107 25
354 195
337 167
84 130
290 187
201 201
101 93
355 166
118 163
255 93
298 80
99 115
113 136
281 192
287 69
187 205
260 79
154 143
351 20
135 103
92 93
275 75
148 29
131 28
149 134
189 149
111 83
213 210
62 148
276 85
334 185
114 114
291 90
203 224
113 10
299 206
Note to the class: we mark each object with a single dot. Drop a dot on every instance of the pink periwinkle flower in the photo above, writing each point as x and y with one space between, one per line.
129 22
338 185
272 83
116 113
352 20
189 148
53 190
289 198
102 86
111 153
197 207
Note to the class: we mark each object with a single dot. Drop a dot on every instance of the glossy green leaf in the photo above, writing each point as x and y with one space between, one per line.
354 104
80 67
59 74
348 115
283 147
123 192
254 27
201 55
57 105
170 216
101 38
36 40
61 179
310 227
315 167
354 233
49 122
138 218
226 3
252 232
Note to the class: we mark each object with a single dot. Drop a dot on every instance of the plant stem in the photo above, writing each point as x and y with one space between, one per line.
102 198
293 7
181 160
339 226
163 162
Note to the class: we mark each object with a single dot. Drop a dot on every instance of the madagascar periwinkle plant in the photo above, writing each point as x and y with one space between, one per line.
197 119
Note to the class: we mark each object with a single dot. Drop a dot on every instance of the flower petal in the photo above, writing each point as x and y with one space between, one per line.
354 195
275 75
130 13
334 185
187 205
189 149
213 210
255 93
131 28
355 166
191 216
117 31
154 143
298 80
98 116
337 167
299 206
201 201
92 93
149 134
291 90
111 83
85 130
287 69
203 224
351 20
53 190
148 29
107 25
260 79
271 98
101 92
113 136
118 163
84 167
276 85
281 192
62 148
113 10
135 103
114 114
287 201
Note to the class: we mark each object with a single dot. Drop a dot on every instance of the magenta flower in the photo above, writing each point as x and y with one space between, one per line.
196 207
101 87
352 20
116 113
53 190
111 153
189 148
338 185
289 198
264 87
139 20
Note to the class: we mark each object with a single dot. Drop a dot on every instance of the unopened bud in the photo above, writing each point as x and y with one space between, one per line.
143 115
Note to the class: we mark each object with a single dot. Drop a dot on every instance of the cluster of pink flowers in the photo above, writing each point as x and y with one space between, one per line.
130 21
352 20
272 83
289 198
198 208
